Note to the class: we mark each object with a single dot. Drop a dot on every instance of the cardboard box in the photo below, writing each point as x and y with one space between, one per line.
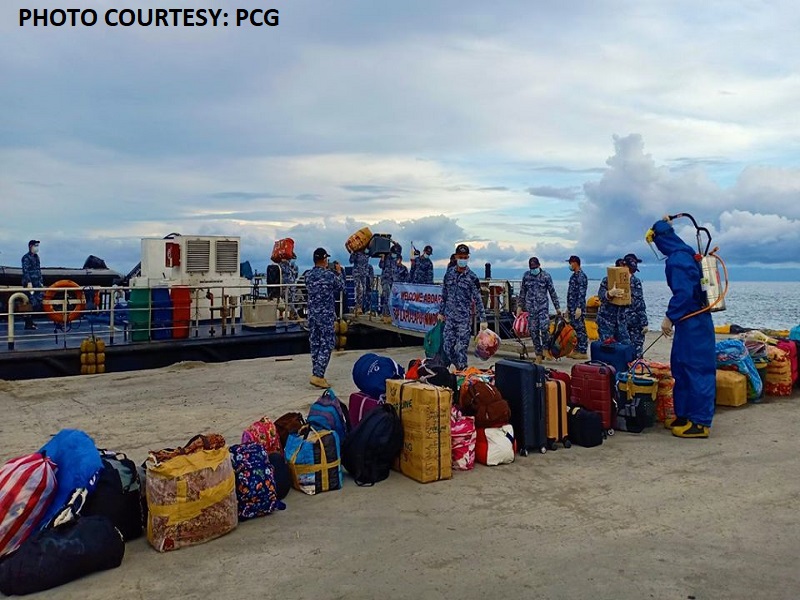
424 410
621 278
731 388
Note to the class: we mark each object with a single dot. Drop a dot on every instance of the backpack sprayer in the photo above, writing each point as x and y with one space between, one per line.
710 282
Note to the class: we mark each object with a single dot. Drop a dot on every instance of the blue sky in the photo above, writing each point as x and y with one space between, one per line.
520 128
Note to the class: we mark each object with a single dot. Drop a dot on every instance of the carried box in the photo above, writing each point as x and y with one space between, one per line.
424 410
620 277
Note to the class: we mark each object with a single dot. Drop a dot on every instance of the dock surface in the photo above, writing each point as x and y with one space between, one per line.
642 516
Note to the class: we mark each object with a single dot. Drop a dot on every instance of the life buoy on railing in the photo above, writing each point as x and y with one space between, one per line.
54 299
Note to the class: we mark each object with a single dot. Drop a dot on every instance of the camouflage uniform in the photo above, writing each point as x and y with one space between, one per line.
289 274
400 273
459 291
576 298
422 270
324 287
387 266
368 289
611 319
636 315
360 262
533 298
32 273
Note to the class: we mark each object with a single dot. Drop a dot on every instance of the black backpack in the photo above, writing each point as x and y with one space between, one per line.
118 495
370 449
53 557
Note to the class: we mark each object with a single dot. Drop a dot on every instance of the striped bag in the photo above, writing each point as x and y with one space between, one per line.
27 486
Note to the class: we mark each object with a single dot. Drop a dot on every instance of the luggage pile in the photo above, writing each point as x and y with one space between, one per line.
68 509
760 365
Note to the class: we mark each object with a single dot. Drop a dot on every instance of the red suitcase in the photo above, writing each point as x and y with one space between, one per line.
561 376
358 407
594 388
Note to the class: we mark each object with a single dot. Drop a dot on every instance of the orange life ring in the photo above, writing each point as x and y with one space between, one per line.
53 295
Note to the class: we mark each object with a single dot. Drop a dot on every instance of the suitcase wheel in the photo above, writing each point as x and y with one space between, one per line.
553 446
567 444
523 452
610 432
543 450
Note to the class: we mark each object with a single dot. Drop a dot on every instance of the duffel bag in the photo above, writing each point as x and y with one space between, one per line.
585 427
371 371
495 445
463 435
62 554
191 493
314 460
27 487
256 492
118 495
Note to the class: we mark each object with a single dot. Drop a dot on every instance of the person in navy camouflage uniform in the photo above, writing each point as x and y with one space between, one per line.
324 287
367 305
400 271
536 285
636 314
360 262
612 319
460 290
422 267
576 306
32 278
388 265
289 273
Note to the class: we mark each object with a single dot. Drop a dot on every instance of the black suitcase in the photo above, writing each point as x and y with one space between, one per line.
522 385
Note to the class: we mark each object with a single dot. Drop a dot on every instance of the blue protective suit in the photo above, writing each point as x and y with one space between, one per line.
693 357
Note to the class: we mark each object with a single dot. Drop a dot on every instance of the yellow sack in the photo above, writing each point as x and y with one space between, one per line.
191 496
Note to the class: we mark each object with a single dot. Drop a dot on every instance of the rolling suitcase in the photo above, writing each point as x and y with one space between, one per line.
617 355
555 395
522 385
561 376
594 388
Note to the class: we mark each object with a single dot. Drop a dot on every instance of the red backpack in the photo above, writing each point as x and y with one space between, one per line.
265 433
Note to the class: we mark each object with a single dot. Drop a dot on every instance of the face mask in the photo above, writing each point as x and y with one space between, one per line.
535 271
427 255
35 249
462 262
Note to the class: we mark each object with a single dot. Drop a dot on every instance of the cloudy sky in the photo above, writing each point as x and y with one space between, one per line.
519 127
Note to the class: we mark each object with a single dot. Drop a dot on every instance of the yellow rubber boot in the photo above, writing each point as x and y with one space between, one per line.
691 430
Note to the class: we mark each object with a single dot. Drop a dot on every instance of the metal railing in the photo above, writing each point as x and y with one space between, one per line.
69 314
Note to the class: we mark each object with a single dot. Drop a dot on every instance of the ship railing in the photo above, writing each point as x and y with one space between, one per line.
108 313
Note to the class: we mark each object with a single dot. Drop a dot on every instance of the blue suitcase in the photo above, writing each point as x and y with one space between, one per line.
522 385
617 355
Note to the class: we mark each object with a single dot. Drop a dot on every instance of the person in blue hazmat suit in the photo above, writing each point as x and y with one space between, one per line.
422 267
289 273
324 287
576 306
460 291
636 313
32 278
612 319
360 262
693 356
534 289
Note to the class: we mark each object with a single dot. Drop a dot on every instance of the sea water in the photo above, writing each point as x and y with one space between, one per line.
762 305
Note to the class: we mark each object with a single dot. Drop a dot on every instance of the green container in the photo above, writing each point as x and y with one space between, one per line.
139 314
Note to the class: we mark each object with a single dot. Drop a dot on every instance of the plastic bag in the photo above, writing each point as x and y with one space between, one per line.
486 344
